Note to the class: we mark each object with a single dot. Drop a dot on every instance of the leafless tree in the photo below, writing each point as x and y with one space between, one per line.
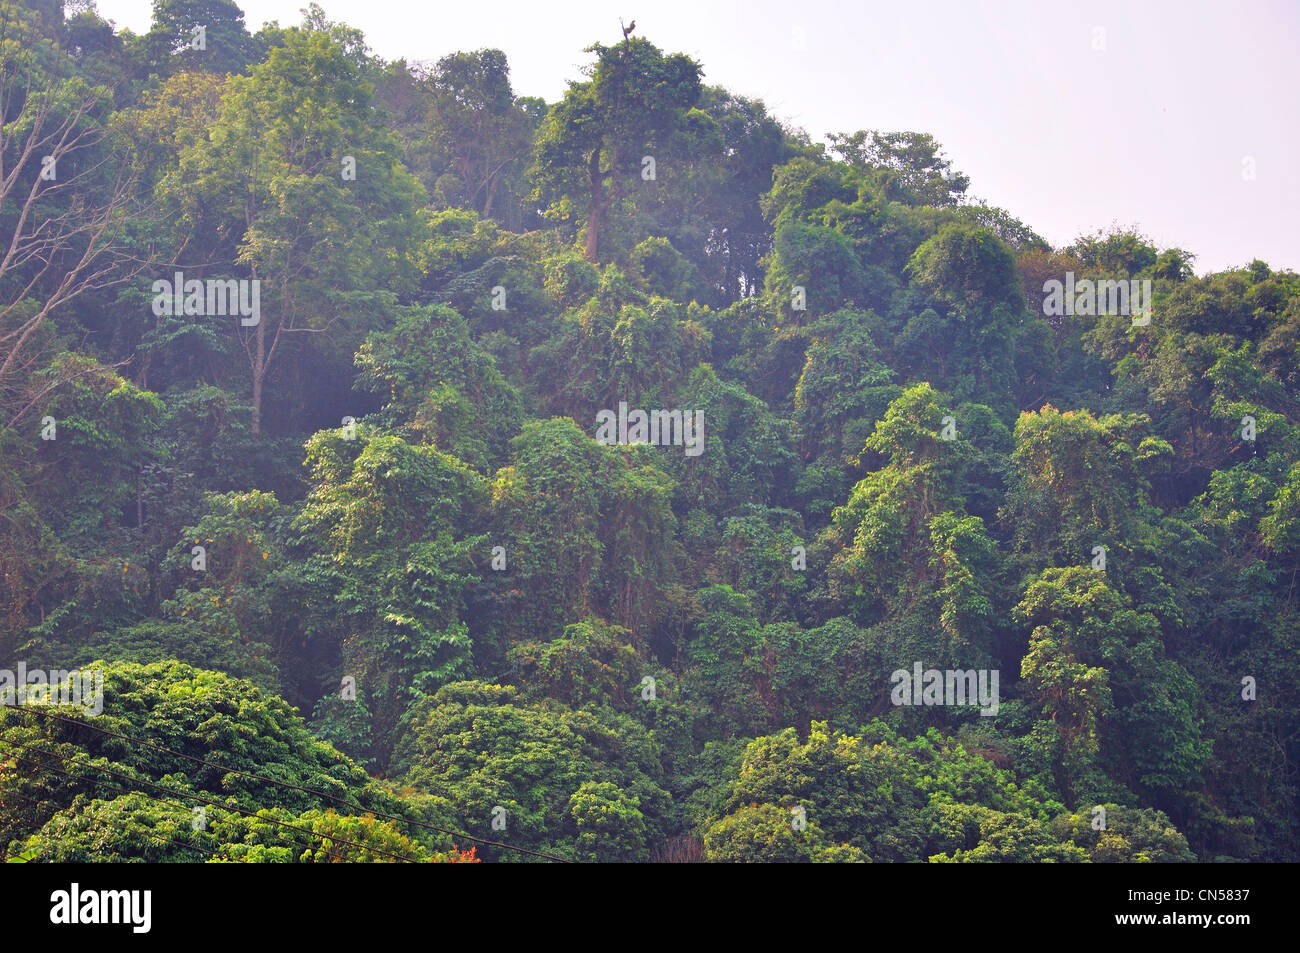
64 221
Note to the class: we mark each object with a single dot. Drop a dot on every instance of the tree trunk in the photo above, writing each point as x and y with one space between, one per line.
597 199
593 220
259 372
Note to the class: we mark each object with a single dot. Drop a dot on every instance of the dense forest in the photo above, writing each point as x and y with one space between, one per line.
433 473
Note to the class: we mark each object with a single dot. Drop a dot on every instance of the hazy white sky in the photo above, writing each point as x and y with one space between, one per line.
1071 116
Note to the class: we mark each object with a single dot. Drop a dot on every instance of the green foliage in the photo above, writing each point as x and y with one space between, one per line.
637 652
635 102
390 562
269 177
911 163
877 797
590 664
84 782
1141 836
441 385
582 783
173 44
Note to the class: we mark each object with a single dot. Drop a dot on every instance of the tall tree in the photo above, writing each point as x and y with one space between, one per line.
206 35
595 139
913 164
309 186
64 193
480 133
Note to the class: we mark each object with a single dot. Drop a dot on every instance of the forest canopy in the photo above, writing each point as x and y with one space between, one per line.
432 473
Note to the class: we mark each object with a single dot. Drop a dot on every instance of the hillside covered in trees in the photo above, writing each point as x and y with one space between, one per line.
436 473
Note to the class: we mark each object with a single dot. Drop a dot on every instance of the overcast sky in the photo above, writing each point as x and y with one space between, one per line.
1072 116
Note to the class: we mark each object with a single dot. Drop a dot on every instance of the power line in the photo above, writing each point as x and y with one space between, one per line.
131 789
228 807
295 787
161 800
150 834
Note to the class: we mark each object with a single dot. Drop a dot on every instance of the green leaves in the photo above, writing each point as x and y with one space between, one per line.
584 784
901 528
386 528
876 797
911 163
592 142
441 384
532 629
1099 669
225 720
310 190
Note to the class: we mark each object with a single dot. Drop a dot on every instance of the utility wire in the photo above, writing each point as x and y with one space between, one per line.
151 834
228 807
295 787
129 788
